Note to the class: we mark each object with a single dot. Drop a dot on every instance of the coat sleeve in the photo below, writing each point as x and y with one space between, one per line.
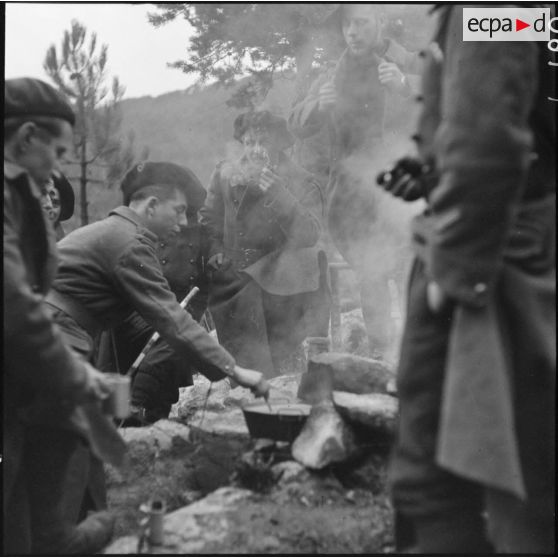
33 345
483 148
212 214
305 118
139 277
299 219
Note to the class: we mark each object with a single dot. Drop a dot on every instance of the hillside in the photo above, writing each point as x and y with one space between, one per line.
194 128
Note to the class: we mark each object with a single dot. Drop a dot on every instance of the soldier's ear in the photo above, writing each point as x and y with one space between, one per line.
151 204
24 136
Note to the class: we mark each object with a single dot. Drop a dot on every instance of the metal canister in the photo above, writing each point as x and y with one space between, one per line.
118 402
155 511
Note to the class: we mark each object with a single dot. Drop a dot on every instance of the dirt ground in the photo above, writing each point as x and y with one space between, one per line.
337 511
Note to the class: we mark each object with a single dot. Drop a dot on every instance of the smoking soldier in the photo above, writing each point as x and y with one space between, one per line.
183 258
268 288
349 102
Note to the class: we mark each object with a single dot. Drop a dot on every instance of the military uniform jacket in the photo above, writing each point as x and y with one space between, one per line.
111 268
38 366
355 124
281 226
183 258
488 240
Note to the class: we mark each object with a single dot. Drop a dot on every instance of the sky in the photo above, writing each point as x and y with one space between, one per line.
137 51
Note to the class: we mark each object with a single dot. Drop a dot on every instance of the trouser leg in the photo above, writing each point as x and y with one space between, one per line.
156 383
517 527
446 510
48 457
16 539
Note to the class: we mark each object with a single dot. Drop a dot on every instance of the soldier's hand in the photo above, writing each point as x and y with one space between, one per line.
393 78
406 187
216 261
270 179
327 97
97 385
251 379
437 300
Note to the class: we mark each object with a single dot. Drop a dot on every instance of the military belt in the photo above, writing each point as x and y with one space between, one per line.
75 310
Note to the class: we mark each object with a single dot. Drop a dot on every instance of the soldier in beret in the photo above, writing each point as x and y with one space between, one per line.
44 380
110 268
263 213
183 258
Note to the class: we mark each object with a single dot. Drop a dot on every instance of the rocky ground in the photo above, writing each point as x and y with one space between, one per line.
227 493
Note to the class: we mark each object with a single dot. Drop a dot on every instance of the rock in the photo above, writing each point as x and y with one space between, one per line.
158 437
325 438
189 529
376 411
343 372
229 422
203 393
289 471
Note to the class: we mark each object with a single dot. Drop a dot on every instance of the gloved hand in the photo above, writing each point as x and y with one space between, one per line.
252 380
408 179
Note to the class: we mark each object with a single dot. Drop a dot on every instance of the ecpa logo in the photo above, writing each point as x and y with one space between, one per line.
506 24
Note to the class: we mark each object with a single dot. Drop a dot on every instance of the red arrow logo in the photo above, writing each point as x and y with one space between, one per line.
519 24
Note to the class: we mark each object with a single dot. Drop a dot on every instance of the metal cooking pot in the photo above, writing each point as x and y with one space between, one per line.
283 422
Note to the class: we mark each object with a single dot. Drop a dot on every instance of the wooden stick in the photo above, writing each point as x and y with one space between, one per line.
156 335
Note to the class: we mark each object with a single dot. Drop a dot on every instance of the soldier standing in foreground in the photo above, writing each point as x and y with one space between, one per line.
44 380
474 461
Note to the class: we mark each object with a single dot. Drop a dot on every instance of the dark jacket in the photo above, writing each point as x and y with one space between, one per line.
183 259
355 128
271 236
357 121
111 268
38 367
488 241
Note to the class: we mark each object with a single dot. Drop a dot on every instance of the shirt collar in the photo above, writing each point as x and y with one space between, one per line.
130 215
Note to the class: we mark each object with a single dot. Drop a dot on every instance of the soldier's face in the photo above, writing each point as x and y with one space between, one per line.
51 202
361 28
260 146
42 152
169 215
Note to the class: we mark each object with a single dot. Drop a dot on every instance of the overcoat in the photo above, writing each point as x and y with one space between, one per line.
488 240
40 372
270 239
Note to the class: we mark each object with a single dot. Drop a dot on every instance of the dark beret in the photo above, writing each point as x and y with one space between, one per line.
263 120
28 98
67 196
149 174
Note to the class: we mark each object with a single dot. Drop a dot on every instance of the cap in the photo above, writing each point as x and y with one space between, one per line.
29 97
263 120
149 174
